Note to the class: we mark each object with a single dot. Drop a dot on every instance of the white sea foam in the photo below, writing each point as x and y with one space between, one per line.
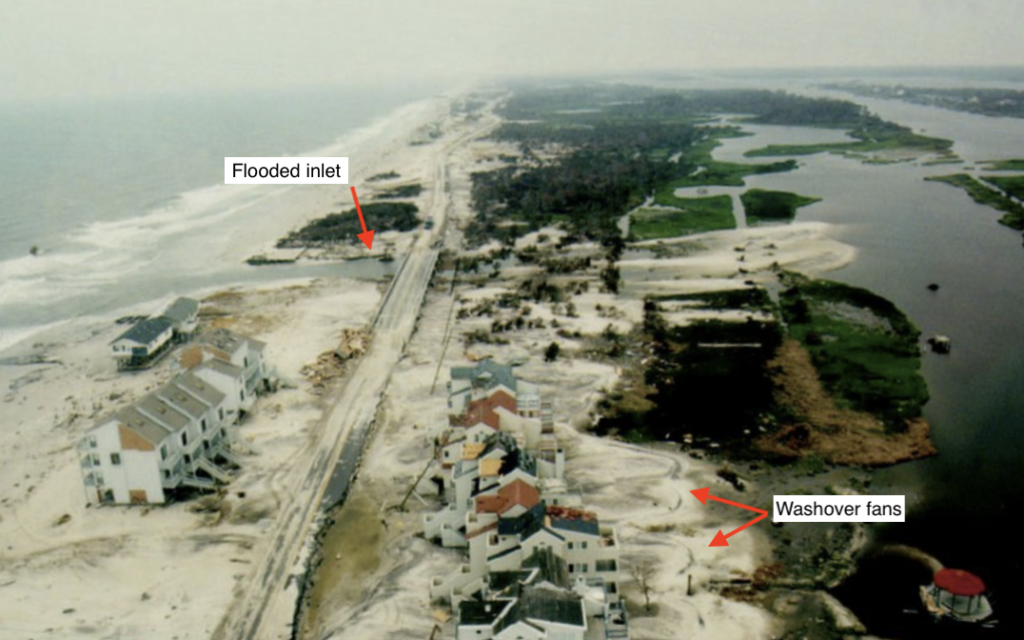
12 336
103 253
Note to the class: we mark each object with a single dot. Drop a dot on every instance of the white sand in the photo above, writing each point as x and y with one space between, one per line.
135 571
801 246
164 572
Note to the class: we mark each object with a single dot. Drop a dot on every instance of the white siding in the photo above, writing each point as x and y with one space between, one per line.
138 470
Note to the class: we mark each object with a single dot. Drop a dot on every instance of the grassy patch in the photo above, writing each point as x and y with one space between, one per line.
1003 165
749 299
865 349
712 173
950 159
773 206
692 215
1013 213
725 174
404 191
1010 185
873 136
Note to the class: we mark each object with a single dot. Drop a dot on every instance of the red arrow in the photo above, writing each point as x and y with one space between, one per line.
720 538
365 236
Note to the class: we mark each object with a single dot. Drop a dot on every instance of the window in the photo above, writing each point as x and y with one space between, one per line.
605 565
184 438
95 460
220 412
115 458
572 568
241 394
570 546
99 479
583 545
92 442
167 473
163 452
202 425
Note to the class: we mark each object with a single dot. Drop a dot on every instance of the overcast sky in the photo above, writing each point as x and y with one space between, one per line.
56 48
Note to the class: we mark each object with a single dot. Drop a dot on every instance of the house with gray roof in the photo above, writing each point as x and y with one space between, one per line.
184 316
539 601
485 378
501 542
179 436
234 355
143 344
534 614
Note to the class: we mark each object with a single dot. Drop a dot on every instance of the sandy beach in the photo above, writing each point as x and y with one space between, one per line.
75 572
132 572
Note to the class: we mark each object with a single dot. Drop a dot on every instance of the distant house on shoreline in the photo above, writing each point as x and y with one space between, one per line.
143 345
184 316
182 434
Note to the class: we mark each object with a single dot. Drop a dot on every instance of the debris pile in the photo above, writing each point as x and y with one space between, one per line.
330 365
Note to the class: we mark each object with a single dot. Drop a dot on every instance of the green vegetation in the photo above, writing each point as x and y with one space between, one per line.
551 353
773 206
387 175
872 135
865 350
748 299
945 159
587 154
404 191
609 170
719 380
1013 213
1003 165
343 227
693 215
712 173
616 145
1012 186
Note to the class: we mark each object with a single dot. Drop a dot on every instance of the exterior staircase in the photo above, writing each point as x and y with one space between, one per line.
213 470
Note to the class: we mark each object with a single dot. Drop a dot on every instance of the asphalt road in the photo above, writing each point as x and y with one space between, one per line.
267 607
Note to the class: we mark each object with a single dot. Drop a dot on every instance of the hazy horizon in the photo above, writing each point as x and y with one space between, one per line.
61 49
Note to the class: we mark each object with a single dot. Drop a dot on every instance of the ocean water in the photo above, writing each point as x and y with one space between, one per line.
910 233
124 198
